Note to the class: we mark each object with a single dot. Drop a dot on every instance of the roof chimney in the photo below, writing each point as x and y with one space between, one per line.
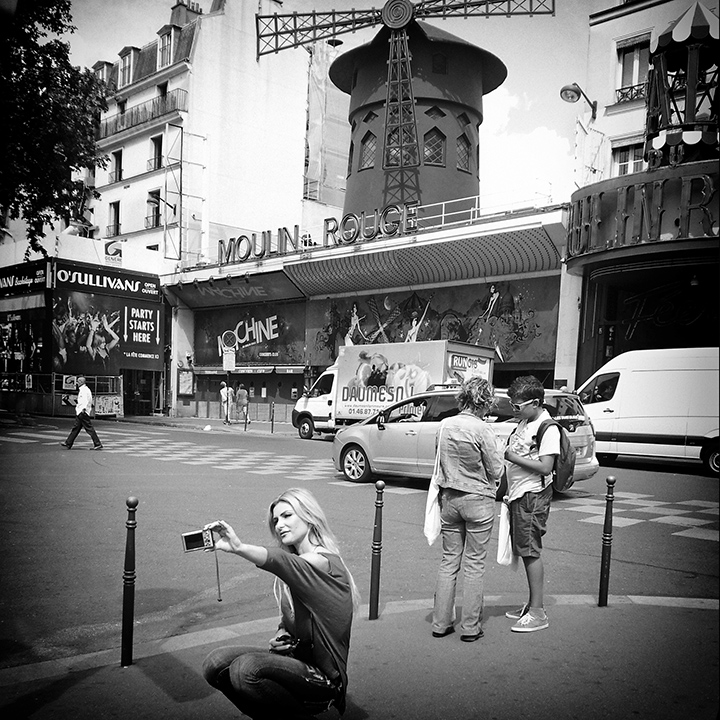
184 12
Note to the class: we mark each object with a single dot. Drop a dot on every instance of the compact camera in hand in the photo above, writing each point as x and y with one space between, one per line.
198 540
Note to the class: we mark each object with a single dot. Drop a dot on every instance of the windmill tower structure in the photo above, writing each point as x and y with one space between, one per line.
415 95
427 156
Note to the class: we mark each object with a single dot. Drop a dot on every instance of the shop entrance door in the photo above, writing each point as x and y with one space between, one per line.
141 388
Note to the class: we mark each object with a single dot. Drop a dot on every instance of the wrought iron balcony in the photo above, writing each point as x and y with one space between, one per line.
174 101
630 93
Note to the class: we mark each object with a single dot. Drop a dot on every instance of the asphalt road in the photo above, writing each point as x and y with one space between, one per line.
63 532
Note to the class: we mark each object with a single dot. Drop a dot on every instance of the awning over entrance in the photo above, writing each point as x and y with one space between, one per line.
239 369
513 244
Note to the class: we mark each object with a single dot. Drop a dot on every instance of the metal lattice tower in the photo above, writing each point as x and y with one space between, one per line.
401 142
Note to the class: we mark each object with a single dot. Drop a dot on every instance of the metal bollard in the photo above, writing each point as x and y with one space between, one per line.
128 610
606 544
376 552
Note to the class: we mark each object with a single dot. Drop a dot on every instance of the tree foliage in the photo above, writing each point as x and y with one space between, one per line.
50 111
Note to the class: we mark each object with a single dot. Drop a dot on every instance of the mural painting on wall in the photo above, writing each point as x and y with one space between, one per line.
518 319
102 334
259 334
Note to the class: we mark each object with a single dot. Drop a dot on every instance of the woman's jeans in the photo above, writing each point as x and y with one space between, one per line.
267 686
467 523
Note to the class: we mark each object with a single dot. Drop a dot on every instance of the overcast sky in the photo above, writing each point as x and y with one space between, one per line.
527 136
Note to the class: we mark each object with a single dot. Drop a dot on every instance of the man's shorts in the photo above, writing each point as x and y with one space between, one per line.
528 522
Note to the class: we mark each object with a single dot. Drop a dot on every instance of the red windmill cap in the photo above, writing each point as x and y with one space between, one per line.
696 23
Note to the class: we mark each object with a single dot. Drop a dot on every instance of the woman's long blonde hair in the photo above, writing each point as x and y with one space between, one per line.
308 509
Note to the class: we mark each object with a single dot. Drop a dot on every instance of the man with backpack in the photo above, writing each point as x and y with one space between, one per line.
530 455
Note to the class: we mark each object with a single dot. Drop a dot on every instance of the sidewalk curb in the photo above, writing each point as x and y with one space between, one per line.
230 633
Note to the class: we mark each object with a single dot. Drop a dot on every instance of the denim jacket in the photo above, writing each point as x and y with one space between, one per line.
469 457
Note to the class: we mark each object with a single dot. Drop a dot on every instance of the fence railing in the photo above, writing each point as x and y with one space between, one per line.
174 101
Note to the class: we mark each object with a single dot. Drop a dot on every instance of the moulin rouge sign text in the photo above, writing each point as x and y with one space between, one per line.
390 221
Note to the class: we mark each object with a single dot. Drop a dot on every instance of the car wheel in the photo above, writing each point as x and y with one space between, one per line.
306 428
560 494
710 458
355 464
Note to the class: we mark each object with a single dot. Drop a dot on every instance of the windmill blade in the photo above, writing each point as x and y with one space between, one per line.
486 8
278 32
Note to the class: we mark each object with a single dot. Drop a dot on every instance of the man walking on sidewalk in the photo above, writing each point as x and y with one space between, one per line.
82 417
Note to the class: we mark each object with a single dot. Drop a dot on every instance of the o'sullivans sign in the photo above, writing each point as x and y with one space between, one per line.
392 220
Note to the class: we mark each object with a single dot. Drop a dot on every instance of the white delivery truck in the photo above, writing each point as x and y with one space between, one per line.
656 403
366 378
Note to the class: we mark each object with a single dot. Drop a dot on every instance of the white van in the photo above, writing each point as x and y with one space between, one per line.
657 403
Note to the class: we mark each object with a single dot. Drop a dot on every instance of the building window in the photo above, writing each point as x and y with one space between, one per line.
162 90
164 50
350 158
439 64
113 228
116 174
627 160
463 120
435 113
434 148
463 153
125 70
634 62
370 117
122 106
152 217
156 160
368 148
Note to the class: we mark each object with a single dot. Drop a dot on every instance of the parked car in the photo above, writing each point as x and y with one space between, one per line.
400 440
658 404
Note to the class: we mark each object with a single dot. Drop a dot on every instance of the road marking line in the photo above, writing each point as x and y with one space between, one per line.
682 521
617 522
699 534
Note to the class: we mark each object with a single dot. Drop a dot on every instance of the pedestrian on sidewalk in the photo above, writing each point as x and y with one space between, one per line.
82 416
226 399
529 474
470 466
243 400
304 670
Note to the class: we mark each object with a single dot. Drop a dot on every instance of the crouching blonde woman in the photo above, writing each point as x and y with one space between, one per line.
304 670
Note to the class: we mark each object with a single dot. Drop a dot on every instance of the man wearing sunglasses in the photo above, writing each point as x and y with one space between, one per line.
529 470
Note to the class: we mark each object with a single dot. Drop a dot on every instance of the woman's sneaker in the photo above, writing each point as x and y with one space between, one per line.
530 623
517 614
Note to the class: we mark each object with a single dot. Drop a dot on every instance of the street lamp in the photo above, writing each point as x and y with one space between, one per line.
572 93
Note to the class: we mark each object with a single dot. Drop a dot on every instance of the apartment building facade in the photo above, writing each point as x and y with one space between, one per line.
643 228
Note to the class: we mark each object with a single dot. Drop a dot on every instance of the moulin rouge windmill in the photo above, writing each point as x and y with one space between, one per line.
424 82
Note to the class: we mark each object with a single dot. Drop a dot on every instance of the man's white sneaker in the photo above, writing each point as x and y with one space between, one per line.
529 623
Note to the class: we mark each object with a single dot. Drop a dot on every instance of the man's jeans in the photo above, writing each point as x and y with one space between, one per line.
467 522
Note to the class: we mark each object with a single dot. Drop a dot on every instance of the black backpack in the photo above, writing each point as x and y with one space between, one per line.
564 467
